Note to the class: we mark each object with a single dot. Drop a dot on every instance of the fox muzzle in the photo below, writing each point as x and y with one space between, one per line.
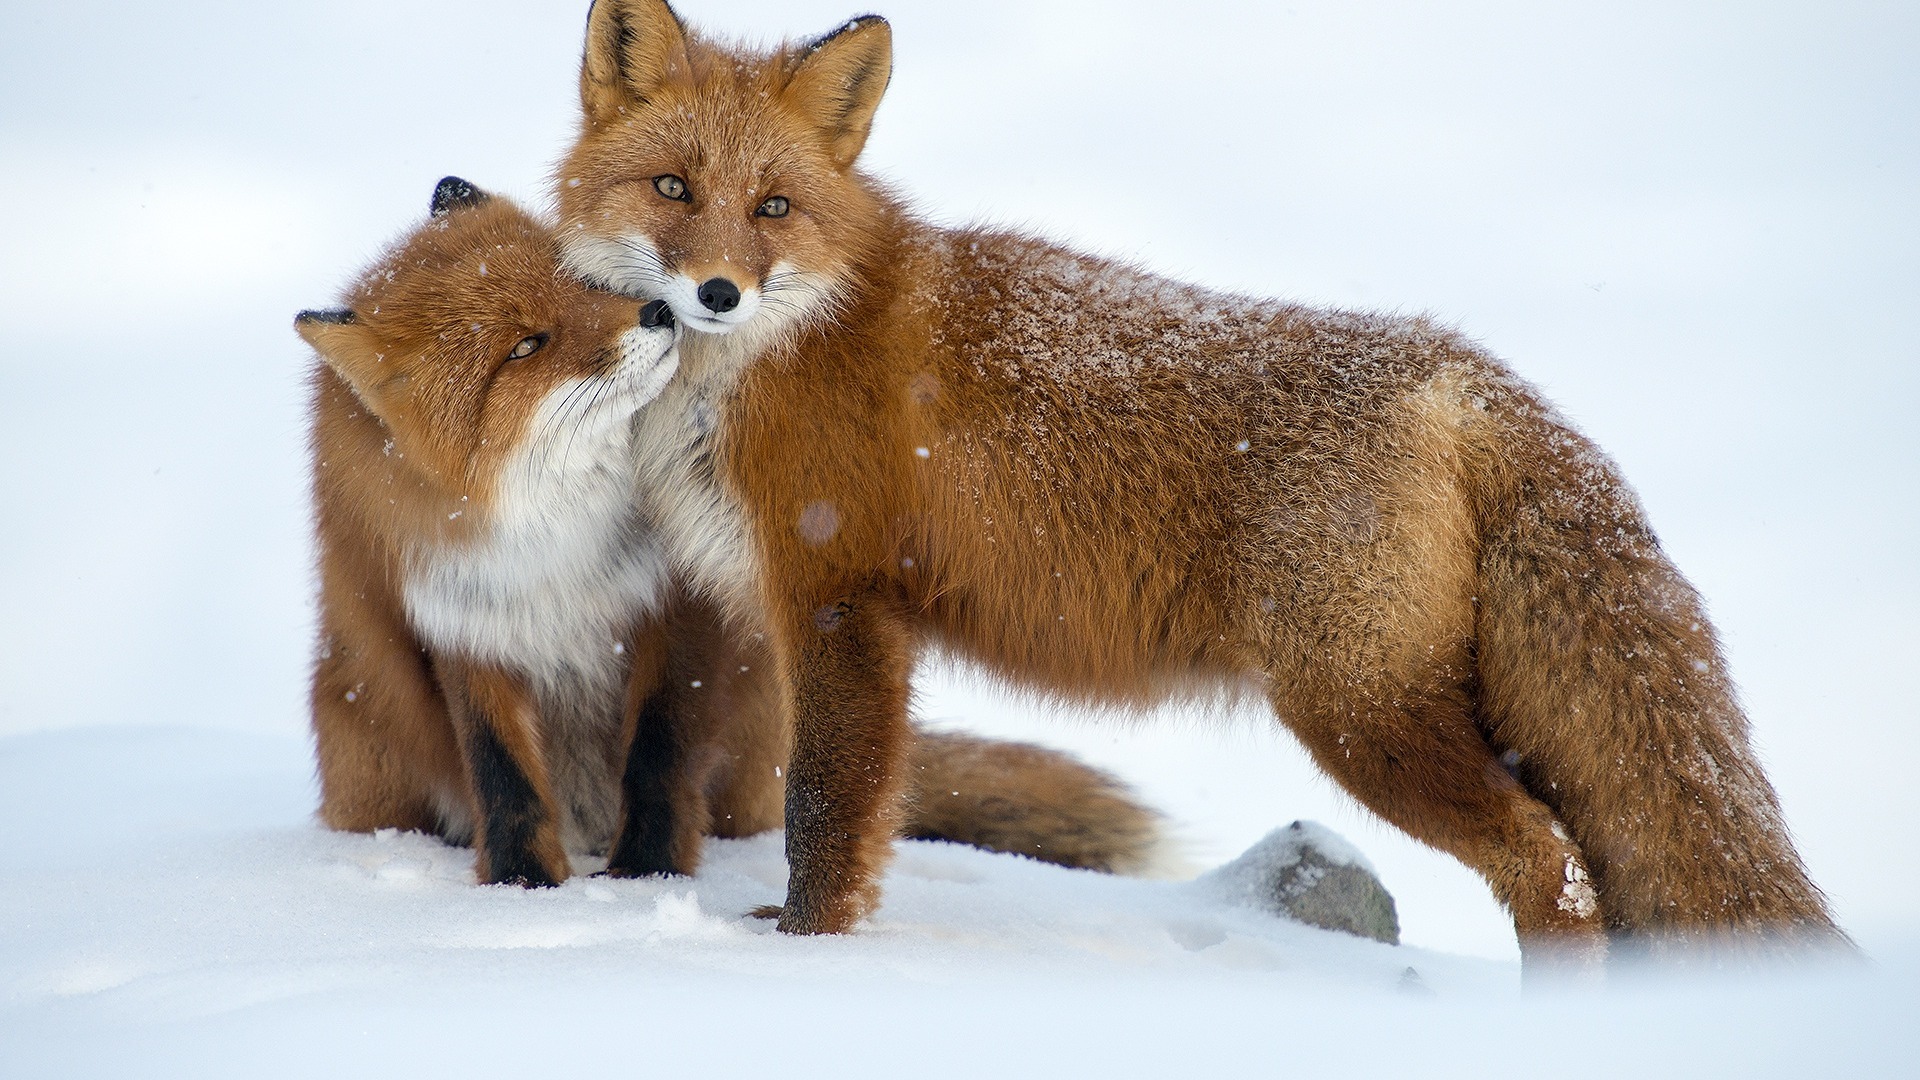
656 313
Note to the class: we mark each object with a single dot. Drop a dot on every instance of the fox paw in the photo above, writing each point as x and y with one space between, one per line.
525 881
794 921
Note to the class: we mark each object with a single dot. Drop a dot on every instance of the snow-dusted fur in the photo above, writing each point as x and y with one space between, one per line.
1114 487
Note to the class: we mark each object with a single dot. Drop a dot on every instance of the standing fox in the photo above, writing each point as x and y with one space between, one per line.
505 656
1114 488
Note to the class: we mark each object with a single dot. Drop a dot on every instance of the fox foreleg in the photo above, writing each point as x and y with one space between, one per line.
847 662
663 804
517 834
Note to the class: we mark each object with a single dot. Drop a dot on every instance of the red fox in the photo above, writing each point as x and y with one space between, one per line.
505 656
1113 488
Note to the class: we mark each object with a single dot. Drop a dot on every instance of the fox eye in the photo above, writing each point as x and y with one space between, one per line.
774 207
672 187
527 347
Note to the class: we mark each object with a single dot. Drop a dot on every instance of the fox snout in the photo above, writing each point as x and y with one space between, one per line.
656 314
655 337
649 354
719 295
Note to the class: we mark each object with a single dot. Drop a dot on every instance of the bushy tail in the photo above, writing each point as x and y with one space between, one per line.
1027 800
1605 687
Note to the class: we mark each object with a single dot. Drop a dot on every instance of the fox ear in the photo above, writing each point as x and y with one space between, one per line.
838 80
634 47
347 348
452 192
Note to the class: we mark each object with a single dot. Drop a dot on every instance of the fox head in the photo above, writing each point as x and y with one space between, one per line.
717 179
469 345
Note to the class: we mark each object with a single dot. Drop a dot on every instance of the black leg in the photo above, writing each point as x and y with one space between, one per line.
654 772
512 809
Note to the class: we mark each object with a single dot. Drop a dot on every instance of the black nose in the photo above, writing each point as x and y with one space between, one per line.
720 295
656 313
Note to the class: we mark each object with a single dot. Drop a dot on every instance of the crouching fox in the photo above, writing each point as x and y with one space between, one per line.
505 655
1113 487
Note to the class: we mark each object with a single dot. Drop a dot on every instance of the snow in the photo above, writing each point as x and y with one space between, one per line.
1695 232
184 917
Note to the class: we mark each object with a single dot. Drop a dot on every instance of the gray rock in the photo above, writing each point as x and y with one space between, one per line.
1306 872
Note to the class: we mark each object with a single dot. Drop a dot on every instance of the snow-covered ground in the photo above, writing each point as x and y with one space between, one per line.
1694 224
197 924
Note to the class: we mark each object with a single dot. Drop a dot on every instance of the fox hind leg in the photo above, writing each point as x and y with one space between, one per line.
1418 760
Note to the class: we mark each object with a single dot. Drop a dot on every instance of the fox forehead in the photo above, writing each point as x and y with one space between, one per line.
444 272
448 291
752 159
729 125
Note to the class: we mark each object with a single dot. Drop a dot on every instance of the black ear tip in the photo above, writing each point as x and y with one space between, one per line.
858 22
452 191
330 316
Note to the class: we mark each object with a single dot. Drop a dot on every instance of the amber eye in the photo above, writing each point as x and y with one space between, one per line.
774 207
527 346
672 187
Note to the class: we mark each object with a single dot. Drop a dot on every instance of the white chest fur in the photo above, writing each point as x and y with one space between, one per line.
563 570
701 526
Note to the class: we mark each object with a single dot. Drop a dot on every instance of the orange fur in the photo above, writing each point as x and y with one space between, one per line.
1114 487
668 726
